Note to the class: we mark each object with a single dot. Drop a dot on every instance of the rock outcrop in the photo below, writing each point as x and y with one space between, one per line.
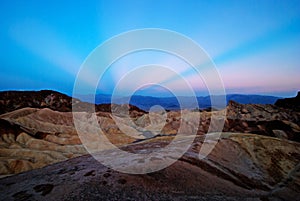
291 103
268 120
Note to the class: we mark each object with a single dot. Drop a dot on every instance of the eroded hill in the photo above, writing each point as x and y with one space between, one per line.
257 156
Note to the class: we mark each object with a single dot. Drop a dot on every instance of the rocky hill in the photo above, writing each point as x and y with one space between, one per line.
292 103
268 120
13 100
257 157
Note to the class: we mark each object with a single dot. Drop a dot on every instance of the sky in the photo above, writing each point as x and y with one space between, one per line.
254 44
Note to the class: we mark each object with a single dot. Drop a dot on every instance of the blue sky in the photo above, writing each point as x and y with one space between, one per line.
254 44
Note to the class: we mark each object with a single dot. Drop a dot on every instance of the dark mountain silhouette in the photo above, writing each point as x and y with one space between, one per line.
291 103
13 100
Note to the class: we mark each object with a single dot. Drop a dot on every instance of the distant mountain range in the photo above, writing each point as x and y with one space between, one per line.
171 103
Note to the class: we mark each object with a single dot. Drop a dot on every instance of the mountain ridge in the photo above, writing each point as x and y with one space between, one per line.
171 103
13 100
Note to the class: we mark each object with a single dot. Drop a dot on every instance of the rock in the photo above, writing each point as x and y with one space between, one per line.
72 140
280 134
294 126
244 111
262 119
290 103
21 151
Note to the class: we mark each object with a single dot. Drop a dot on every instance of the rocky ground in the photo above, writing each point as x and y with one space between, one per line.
241 167
257 157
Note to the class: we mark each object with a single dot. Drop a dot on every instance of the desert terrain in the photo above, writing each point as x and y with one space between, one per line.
42 157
